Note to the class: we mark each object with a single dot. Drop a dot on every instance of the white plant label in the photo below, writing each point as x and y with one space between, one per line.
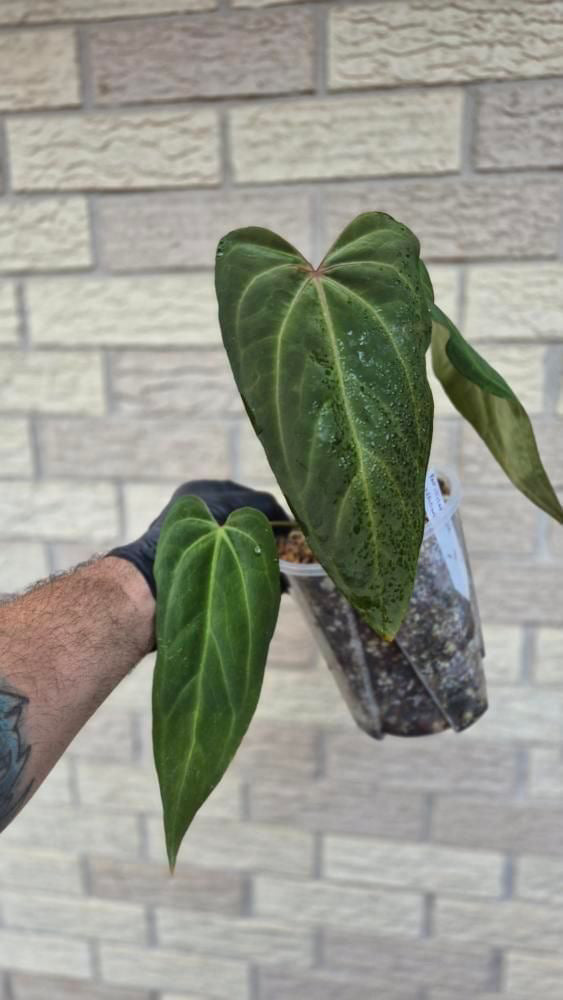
445 535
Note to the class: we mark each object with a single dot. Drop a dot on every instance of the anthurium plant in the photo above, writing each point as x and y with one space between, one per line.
330 362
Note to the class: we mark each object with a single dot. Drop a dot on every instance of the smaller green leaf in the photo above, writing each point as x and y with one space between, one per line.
218 593
484 398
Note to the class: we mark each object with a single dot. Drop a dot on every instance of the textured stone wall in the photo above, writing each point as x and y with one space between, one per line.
133 134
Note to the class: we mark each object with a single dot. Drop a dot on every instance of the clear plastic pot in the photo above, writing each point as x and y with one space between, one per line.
430 678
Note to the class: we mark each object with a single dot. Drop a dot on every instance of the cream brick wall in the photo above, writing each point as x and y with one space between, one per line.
134 134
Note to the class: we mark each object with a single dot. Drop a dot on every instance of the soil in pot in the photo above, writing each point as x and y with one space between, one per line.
430 677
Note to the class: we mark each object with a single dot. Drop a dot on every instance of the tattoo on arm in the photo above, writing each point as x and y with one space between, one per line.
14 755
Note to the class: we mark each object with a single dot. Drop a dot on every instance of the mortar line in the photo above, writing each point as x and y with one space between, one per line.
5 159
318 940
95 959
82 42
320 15
468 131
342 94
507 876
528 654
521 771
497 971
428 914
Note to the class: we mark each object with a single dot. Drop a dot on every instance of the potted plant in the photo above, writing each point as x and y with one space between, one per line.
331 365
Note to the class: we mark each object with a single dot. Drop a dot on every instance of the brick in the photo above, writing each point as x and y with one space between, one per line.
504 924
198 384
293 645
161 969
248 846
445 283
134 448
109 921
26 987
444 440
283 748
503 826
368 137
520 125
519 590
308 696
546 772
549 656
419 43
499 520
68 555
421 963
379 910
133 694
39 70
21 563
534 975
478 465
199 889
44 953
15 447
503 651
110 787
522 712
143 502
52 382
148 311
146 149
56 788
420 867
540 880
64 510
199 57
459 217
26 11
515 302
106 736
250 938
29 869
451 764
283 984
34 234
74 830
182 229
329 805
8 313
254 467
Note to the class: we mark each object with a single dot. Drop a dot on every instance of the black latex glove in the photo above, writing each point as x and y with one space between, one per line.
221 496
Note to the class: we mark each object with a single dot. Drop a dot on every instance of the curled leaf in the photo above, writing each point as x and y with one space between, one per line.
484 398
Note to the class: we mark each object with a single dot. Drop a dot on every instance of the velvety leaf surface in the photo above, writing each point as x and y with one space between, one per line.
484 398
218 599
331 366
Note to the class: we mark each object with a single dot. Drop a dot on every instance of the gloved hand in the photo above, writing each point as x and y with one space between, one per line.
221 496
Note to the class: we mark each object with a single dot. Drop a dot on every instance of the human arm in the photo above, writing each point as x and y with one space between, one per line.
68 642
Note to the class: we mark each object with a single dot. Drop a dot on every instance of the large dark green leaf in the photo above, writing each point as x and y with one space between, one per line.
484 398
218 598
330 363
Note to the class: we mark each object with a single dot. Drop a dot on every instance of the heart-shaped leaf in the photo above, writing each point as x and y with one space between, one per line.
330 363
218 598
484 398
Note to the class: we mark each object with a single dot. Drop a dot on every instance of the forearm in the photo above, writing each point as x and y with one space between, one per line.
64 646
